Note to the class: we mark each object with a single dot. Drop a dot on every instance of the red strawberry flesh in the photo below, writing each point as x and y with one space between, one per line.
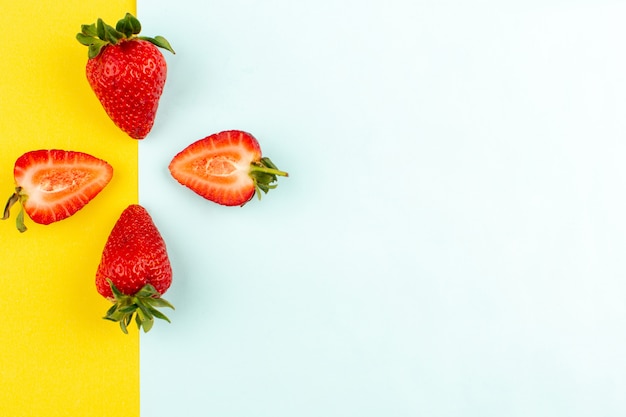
134 255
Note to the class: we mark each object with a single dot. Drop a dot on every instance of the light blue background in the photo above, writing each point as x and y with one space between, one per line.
451 239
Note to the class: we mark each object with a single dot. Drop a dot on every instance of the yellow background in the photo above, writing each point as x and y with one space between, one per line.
59 357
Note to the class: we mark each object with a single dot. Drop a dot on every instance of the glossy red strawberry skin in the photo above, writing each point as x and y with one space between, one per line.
128 79
217 167
57 183
134 255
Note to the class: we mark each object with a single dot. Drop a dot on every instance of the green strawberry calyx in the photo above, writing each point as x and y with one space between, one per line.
17 196
143 307
265 175
98 35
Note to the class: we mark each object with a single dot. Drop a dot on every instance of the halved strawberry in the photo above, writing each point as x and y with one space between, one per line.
226 168
53 184
134 271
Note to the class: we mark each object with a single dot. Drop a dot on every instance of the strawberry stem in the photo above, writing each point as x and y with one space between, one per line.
98 35
142 307
17 196
265 175
272 171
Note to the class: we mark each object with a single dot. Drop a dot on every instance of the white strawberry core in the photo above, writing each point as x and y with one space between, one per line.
55 181
219 166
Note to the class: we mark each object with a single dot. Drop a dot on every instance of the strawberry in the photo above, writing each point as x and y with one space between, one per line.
134 271
226 168
126 72
52 185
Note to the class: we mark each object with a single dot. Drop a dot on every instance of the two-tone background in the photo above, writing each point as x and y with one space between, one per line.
449 242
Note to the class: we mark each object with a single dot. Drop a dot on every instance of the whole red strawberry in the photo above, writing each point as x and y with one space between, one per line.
52 184
126 72
134 271
226 168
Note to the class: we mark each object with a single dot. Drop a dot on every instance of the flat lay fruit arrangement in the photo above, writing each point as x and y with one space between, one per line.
127 74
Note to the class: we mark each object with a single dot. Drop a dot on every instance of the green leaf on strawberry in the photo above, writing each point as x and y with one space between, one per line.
129 25
142 307
159 41
264 174
100 34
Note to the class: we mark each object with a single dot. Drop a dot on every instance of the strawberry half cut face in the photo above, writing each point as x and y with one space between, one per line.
52 185
226 168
